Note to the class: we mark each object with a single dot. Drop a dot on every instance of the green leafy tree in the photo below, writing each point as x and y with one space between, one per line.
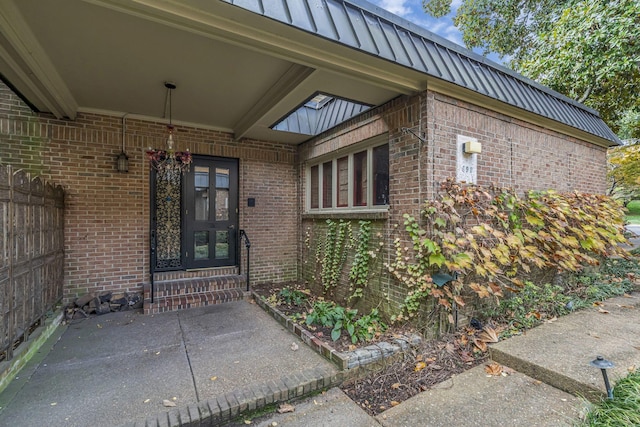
588 50
624 171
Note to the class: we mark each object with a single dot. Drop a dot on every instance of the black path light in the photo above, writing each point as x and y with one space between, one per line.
603 364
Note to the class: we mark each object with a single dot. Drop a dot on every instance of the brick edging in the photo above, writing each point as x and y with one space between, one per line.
225 408
346 361
316 344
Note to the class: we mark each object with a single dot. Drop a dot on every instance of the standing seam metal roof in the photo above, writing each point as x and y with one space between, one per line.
368 28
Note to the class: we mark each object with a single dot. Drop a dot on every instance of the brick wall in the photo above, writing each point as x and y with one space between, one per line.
514 153
107 213
422 133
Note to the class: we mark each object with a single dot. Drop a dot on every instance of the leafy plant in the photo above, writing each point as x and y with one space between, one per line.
491 238
324 313
341 319
336 243
293 296
528 307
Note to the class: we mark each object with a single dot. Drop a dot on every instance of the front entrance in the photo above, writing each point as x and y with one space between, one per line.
195 216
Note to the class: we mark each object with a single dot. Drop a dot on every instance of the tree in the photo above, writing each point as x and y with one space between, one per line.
588 50
624 171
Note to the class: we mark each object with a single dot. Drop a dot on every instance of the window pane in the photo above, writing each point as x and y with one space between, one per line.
315 187
360 179
201 245
202 193
381 175
222 244
222 194
327 184
343 181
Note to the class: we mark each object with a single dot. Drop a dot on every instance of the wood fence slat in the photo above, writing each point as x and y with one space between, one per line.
31 253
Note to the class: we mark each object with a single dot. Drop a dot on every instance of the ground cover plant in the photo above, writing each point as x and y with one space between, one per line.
623 410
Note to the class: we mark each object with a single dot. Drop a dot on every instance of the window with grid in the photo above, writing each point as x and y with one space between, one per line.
358 179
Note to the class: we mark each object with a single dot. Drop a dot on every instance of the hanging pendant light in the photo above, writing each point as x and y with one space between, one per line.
122 161
169 160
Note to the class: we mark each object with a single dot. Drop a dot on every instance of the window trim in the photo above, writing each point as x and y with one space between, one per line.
333 157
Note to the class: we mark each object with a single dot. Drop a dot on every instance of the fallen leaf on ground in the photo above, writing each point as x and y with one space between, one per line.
553 319
167 403
450 348
213 378
594 335
395 386
54 403
147 400
598 303
466 357
285 407
420 366
493 369
627 296
626 306
394 403
99 326
482 346
488 334
247 422
294 347
603 311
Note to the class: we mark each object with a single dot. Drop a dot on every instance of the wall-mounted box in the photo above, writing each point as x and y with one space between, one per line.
472 147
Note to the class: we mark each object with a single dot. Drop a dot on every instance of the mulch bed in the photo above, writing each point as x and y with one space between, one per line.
417 370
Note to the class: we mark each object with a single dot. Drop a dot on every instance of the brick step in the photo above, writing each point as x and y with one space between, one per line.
185 293
198 284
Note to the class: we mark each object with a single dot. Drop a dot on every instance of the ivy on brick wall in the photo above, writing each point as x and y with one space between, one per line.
338 243
488 239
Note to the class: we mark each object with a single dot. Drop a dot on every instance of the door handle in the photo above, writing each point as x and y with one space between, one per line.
232 227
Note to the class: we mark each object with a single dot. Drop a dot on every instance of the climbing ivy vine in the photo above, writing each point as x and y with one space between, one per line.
488 239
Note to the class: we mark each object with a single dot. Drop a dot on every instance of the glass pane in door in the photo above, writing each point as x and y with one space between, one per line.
222 244
222 194
202 193
201 245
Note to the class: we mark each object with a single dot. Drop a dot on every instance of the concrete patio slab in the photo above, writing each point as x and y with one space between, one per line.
559 353
475 399
118 368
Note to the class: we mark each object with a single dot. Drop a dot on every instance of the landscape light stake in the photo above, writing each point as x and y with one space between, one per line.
603 364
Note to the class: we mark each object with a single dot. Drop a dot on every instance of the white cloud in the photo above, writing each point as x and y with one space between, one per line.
398 7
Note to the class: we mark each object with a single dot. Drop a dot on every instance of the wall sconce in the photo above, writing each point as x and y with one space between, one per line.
122 162
472 147
603 364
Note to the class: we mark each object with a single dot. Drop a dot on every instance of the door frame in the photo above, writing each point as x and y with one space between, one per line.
212 225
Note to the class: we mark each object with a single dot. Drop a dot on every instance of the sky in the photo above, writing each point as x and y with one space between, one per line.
412 10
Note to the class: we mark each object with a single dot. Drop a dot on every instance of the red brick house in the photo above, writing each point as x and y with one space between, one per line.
294 111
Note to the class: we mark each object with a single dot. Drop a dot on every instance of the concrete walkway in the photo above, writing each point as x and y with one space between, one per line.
218 362
210 362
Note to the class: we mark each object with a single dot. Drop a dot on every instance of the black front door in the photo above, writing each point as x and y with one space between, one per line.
210 213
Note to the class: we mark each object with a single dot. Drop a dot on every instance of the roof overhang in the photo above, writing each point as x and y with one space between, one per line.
235 71
240 70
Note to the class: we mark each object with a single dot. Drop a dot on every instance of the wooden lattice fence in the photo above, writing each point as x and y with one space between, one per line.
31 254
